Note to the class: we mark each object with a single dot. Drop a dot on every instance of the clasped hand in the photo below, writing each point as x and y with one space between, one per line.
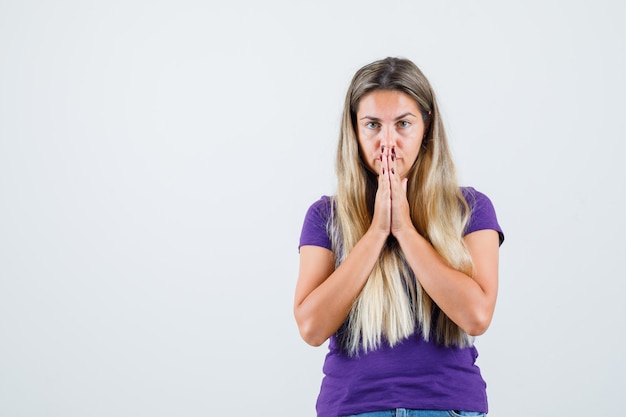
391 207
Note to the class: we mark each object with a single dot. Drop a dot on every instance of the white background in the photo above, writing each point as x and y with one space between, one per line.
157 159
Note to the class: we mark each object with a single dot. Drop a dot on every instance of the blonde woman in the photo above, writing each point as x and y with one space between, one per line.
400 268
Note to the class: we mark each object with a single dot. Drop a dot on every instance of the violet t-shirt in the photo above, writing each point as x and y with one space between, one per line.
414 374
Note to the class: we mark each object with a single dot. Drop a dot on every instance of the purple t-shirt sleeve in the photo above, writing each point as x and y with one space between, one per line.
483 215
314 229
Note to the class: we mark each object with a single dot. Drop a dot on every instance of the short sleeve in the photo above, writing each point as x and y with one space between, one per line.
482 213
314 230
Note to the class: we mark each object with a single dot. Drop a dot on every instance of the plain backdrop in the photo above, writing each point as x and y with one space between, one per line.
157 159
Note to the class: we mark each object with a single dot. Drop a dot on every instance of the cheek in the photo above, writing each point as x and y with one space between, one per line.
411 151
368 146
370 157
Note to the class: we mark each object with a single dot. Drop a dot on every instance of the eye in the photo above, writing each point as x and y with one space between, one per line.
403 124
372 125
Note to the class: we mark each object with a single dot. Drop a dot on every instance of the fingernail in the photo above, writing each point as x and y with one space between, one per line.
393 171
393 157
393 150
383 170
382 148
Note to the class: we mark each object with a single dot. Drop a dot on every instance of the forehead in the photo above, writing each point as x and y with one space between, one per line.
387 102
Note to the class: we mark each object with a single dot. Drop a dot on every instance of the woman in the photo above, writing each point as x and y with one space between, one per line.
400 268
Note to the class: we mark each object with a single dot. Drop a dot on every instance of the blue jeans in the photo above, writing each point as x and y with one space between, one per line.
403 412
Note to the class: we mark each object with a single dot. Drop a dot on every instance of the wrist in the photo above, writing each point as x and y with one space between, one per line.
378 236
406 233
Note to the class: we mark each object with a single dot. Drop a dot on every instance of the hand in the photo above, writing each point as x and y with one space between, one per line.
381 221
400 212
391 207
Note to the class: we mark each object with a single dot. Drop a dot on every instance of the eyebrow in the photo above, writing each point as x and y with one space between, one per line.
376 119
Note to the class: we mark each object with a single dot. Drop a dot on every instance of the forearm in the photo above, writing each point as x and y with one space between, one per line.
461 297
326 307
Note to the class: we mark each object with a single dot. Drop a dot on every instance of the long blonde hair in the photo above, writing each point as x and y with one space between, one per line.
392 302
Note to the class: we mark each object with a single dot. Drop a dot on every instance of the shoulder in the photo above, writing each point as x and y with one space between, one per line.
321 206
482 212
315 227
475 199
320 210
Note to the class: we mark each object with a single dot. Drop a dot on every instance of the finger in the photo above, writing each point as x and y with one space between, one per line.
395 178
384 162
384 151
383 180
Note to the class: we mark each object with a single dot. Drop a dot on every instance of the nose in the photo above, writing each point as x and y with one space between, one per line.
387 137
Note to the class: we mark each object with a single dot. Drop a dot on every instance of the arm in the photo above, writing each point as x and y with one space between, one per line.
468 301
324 295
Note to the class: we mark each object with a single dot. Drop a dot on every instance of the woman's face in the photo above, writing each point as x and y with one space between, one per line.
389 120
